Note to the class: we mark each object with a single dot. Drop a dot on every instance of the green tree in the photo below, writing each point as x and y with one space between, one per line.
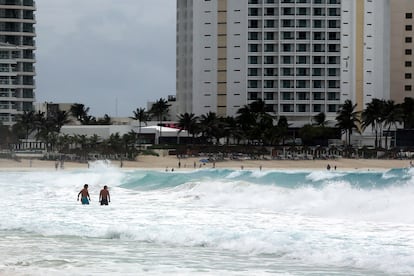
106 120
189 122
372 116
79 111
26 121
39 122
283 128
408 113
232 130
142 116
392 115
210 125
61 118
246 119
320 119
160 109
347 119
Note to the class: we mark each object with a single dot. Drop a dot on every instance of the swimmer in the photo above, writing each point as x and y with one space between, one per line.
85 195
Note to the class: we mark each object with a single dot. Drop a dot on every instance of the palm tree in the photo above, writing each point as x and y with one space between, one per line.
106 120
39 121
347 119
258 106
61 118
232 130
63 143
27 120
188 121
128 140
392 116
142 116
246 119
79 111
160 109
282 128
320 119
94 141
209 123
263 128
372 116
408 112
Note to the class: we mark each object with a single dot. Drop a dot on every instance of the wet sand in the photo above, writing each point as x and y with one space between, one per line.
172 162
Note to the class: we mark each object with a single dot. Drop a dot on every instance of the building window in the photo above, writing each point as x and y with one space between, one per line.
408 76
301 108
269 96
253 60
333 96
253 47
408 27
408 15
253 84
408 52
317 108
408 88
269 48
253 72
408 64
252 96
408 39
287 96
332 108
253 36
287 108
254 24
318 96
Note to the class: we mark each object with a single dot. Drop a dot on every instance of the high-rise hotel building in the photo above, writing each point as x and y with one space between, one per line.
402 45
17 58
301 57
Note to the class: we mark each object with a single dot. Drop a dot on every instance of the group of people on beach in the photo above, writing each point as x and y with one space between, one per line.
104 197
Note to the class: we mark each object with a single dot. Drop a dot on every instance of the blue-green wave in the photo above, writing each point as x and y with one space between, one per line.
154 180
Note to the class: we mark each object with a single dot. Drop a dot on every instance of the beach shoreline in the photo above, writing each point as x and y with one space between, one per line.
172 163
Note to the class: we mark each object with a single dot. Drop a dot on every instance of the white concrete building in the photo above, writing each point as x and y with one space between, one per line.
301 57
17 46
365 51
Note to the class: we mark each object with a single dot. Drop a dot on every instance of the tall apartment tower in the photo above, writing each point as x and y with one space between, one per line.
17 58
301 57
402 45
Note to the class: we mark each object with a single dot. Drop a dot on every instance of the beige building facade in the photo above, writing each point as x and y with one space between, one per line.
301 57
401 58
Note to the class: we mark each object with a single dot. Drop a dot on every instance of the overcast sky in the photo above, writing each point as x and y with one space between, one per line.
111 55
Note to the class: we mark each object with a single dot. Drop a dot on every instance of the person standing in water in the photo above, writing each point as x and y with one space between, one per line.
85 198
104 196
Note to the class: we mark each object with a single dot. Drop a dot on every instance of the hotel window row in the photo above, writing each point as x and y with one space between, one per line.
408 51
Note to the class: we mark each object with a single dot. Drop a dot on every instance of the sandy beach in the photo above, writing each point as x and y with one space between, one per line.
172 162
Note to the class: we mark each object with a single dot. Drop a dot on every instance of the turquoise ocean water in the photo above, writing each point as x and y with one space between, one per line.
208 222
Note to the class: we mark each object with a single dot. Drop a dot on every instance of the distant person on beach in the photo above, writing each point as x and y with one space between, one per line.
85 198
328 167
104 196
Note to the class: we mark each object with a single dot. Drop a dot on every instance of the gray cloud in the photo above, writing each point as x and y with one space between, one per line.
99 52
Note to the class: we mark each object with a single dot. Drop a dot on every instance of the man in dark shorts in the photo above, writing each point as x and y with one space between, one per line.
104 196
85 195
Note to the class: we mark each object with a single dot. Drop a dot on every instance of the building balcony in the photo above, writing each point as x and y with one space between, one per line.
23 3
17 33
